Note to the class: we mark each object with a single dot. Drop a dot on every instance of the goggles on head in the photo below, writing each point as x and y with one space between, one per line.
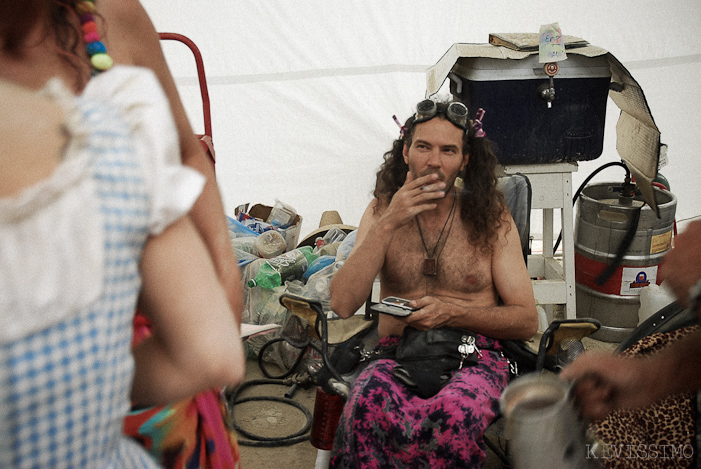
456 113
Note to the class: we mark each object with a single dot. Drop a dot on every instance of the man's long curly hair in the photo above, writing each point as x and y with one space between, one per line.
18 17
482 204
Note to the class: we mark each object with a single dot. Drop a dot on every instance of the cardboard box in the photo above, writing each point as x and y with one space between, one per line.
261 212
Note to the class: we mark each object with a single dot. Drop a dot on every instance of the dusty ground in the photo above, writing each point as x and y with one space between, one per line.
273 419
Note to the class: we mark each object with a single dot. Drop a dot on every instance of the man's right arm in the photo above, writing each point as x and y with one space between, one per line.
352 284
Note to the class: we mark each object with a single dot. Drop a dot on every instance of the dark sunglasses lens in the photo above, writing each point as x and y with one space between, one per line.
457 113
458 109
425 110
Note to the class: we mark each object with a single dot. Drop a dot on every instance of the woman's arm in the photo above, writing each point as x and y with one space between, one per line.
132 39
187 352
605 382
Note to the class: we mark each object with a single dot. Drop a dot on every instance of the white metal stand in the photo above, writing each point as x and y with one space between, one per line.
551 186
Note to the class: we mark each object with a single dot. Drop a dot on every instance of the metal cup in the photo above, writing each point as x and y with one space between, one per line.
542 424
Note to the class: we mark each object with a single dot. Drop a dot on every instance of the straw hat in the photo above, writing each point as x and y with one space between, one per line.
329 219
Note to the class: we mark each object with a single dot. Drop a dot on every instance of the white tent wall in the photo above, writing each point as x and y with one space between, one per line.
303 92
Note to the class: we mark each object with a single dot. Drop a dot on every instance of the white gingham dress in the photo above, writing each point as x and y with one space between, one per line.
69 275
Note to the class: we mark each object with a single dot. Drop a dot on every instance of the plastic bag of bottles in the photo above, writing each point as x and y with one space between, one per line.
264 307
317 286
250 310
290 265
242 242
346 246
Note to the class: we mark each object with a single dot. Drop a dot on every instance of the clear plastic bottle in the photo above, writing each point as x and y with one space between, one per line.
245 244
281 215
270 244
334 235
328 249
287 266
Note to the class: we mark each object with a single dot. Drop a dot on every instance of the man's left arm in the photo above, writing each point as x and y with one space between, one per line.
517 318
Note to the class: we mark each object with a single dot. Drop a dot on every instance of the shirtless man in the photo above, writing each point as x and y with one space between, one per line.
469 281
456 255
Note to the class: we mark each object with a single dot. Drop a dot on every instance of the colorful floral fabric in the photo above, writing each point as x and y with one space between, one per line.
384 425
189 434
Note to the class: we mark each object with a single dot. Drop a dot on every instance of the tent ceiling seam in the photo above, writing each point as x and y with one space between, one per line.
390 68
304 75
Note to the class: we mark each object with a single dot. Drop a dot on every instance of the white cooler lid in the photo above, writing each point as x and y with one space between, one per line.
528 68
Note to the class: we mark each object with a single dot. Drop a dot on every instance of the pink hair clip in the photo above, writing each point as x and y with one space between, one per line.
402 129
477 124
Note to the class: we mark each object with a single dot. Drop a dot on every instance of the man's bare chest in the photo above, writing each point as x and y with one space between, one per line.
460 269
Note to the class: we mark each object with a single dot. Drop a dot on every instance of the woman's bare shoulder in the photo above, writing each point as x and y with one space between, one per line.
31 137
128 32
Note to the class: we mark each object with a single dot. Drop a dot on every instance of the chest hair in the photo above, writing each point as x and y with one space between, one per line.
461 269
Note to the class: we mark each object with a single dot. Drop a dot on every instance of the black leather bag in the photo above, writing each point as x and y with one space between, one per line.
426 359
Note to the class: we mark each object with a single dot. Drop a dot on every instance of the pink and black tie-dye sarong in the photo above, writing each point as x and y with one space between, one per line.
384 425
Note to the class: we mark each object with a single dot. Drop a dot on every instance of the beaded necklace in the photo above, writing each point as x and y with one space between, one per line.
97 51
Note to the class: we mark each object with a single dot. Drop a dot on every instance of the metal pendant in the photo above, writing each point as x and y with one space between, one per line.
430 267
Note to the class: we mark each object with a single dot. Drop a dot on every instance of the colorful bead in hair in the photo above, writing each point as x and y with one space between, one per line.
99 59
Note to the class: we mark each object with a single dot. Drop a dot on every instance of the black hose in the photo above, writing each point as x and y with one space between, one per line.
287 373
586 181
627 240
261 441
256 440
325 356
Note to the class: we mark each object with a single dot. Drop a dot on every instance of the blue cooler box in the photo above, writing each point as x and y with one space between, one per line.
518 120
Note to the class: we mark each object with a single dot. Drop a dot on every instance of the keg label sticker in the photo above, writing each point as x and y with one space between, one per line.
634 279
660 243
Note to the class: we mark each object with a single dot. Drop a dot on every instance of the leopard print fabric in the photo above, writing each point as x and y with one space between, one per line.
659 436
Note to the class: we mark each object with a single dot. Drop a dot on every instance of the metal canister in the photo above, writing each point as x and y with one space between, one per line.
602 223
327 412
